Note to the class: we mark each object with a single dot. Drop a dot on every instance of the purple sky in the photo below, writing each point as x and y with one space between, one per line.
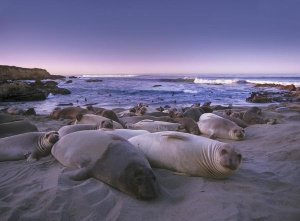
151 36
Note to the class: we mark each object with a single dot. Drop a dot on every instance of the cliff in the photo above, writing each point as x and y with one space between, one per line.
18 73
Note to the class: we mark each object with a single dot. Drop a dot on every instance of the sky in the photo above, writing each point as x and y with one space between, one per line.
72 37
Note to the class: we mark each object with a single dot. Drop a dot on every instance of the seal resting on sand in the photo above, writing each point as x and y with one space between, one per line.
68 112
108 158
125 133
189 125
16 127
218 127
31 145
77 127
189 154
155 126
96 119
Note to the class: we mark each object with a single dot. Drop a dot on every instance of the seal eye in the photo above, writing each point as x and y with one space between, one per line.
223 152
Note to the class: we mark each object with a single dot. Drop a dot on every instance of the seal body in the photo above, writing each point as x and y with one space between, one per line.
155 126
96 119
76 127
189 154
126 133
189 125
135 119
67 113
108 158
31 145
218 127
16 127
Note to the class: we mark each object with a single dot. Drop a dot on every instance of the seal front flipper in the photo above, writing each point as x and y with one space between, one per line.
79 174
32 157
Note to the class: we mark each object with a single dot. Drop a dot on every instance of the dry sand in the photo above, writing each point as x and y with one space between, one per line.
267 186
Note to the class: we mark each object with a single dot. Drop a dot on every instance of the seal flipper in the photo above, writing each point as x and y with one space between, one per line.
32 157
80 174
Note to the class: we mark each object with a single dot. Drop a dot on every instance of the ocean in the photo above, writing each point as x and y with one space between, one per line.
129 90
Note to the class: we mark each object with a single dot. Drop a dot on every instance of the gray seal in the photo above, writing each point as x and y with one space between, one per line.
30 146
108 158
16 127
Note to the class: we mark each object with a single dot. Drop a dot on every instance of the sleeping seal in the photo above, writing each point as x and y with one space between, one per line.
189 154
126 133
31 145
218 127
96 119
108 158
155 126
107 124
16 127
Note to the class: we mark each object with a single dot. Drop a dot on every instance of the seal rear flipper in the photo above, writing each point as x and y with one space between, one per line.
181 174
80 174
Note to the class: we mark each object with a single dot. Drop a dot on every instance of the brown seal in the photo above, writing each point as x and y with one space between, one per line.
67 113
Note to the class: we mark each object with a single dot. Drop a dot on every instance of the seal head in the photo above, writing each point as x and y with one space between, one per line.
237 133
139 181
229 158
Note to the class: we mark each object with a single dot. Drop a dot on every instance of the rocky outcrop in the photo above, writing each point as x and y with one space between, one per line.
270 97
22 91
18 73
290 87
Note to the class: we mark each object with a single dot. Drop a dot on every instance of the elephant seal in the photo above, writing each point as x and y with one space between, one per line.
32 146
253 116
189 125
238 121
193 113
126 133
77 127
155 126
108 158
189 154
110 114
135 119
16 127
67 113
96 119
218 127
5 118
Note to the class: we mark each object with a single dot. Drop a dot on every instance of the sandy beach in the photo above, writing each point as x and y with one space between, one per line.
266 187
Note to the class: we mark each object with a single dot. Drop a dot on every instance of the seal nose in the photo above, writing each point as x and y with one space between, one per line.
54 138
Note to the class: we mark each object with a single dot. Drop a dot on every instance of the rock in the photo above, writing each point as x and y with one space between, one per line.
18 73
68 81
14 111
30 111
64 104
157 85
290 87
50 87
93 80
20 91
